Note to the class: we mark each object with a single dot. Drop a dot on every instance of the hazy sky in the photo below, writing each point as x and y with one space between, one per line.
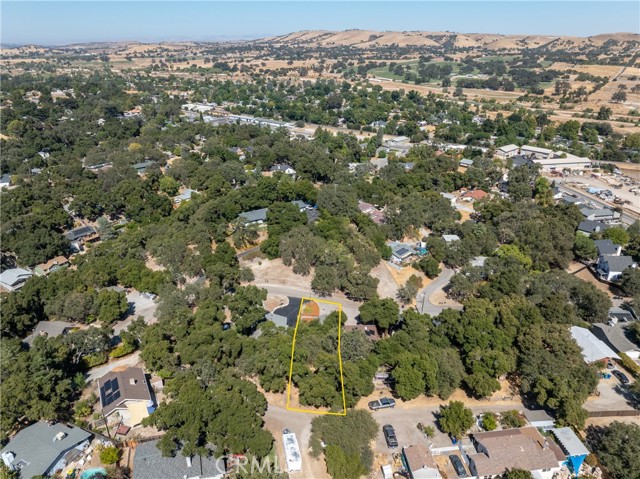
59 22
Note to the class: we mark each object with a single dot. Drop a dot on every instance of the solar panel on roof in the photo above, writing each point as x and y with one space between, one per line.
109 392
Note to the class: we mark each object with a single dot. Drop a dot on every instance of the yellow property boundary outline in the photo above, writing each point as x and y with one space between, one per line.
293 347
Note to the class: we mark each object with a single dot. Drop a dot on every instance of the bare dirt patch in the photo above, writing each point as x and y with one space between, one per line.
440 298
275 272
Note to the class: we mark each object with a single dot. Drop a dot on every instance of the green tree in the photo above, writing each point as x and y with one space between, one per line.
169 185
383 313
617 234
630 281
110 455
489 421
429 266
617 448
455 419
343 466
351 434
409 291
584 247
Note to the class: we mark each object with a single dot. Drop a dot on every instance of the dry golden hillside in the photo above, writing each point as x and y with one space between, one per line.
363 38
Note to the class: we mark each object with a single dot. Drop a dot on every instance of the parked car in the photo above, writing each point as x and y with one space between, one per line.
620 376
458 466
390 435
382 403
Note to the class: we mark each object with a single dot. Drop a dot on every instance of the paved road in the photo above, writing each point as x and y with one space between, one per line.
138 306
422 302
350 308
403 418
100 371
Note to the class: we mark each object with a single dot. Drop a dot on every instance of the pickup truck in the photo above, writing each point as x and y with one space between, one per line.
390 436
382 403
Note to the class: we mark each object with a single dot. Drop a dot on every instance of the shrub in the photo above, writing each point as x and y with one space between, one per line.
110 455
93 360
630 364
122 350
489 421
511 419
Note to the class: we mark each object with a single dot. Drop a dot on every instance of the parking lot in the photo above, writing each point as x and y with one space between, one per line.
612 396
139 305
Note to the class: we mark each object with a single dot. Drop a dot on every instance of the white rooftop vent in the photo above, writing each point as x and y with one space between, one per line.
60 436
133 381
7 458
188 458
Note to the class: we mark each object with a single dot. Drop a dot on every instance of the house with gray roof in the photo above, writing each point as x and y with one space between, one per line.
149 463
254 217
5 180
141 168
42 449
611 267
588 227
623 315
616 338
14 278
608 247
600 214
79 233
184 196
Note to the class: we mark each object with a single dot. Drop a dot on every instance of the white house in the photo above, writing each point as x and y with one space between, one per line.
5 180
611 267
398 140
14 278
286 169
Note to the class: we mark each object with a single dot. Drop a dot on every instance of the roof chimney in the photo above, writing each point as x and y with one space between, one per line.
188 458
546 444
133 381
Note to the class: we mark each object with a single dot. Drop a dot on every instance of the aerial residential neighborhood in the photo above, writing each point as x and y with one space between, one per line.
320 240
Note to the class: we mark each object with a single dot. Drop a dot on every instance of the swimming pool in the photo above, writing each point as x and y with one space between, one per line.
95 473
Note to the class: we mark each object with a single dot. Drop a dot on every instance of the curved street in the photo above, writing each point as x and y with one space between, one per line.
423 303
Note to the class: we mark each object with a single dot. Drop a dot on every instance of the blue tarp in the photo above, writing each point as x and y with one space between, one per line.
575 462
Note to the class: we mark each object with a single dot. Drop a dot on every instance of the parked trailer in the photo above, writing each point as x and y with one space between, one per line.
291 451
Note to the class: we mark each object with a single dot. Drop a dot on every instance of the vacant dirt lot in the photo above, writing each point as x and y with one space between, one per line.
275 272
